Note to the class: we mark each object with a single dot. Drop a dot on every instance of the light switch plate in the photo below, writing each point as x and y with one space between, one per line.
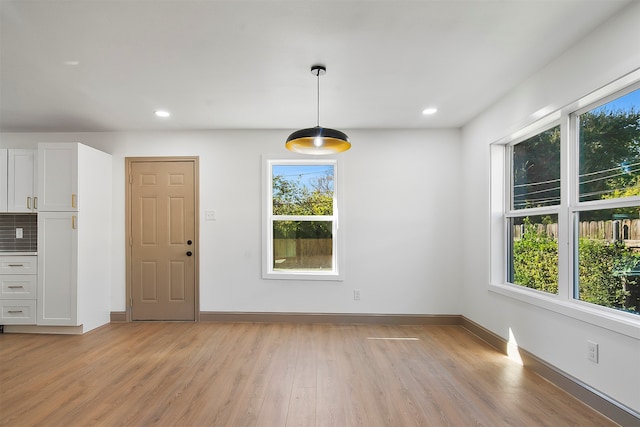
209 215
19 233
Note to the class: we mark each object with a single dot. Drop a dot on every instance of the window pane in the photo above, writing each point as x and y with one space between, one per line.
536 171
533 257
302 189
610 149
609 258
302 245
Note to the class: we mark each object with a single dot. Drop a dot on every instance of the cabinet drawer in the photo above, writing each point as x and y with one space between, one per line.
18 312
18 286
18 264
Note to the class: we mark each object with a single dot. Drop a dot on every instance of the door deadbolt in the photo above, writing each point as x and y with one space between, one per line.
189 242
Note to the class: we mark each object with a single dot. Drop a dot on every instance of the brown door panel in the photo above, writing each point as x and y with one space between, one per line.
163 216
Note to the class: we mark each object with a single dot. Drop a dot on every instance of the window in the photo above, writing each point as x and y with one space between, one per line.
607 213
301 220
571 213
536 171
533 215
534 252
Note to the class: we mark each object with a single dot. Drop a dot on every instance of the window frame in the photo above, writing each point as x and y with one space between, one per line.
566 301
337 273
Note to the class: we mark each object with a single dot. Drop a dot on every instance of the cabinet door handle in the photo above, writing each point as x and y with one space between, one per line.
73 222
28 202
16 265
15 287
73 200
14 311
35 203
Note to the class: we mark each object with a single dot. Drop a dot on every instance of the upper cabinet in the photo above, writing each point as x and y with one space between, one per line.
3 183
58 177
18 172
21 194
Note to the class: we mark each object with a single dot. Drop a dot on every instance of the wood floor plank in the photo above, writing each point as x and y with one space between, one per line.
207 374
302 401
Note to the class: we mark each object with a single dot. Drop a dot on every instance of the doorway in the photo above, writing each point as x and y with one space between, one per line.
162 238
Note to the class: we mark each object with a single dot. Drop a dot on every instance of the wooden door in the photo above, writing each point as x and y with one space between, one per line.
162 261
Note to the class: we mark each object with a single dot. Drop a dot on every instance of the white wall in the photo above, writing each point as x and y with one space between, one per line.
401 219
606 55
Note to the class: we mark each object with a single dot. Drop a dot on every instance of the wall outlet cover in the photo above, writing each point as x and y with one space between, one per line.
592 351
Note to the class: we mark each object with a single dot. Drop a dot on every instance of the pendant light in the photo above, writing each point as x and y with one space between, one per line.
318 140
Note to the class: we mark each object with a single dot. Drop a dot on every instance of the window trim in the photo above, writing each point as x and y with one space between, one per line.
338 271
564 302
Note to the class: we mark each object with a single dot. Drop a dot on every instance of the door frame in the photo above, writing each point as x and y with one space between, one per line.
196 247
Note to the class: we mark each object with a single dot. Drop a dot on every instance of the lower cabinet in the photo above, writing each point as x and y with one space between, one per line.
18 312
57 269
74 271
18 289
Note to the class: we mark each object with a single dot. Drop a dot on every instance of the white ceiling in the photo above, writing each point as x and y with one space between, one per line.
245 64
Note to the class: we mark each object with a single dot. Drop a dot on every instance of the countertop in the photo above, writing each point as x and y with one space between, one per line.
5 253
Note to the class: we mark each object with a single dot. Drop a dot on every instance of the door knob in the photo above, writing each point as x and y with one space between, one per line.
189 253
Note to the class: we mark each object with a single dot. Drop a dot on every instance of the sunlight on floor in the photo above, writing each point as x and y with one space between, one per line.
512 348
394 338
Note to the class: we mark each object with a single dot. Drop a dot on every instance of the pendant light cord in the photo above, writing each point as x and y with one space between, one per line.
318 97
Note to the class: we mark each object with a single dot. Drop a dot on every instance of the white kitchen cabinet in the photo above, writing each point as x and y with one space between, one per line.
18 264
58 268
18 173
18 289
58 166
74 246
18 286
4 172
17 312
21 179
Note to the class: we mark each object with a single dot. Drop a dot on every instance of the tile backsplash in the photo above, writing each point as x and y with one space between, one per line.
8 225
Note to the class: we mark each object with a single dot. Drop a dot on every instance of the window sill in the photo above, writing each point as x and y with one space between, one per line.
298 275
621 323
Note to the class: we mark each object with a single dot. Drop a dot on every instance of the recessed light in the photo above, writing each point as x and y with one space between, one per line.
429 111
162 113
72 63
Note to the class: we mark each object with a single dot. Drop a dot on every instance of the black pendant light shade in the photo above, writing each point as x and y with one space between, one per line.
318 140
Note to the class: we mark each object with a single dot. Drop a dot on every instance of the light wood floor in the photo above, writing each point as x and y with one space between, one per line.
206 374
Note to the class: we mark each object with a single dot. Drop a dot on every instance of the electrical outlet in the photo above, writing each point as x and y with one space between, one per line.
19 233
356 295
592 351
